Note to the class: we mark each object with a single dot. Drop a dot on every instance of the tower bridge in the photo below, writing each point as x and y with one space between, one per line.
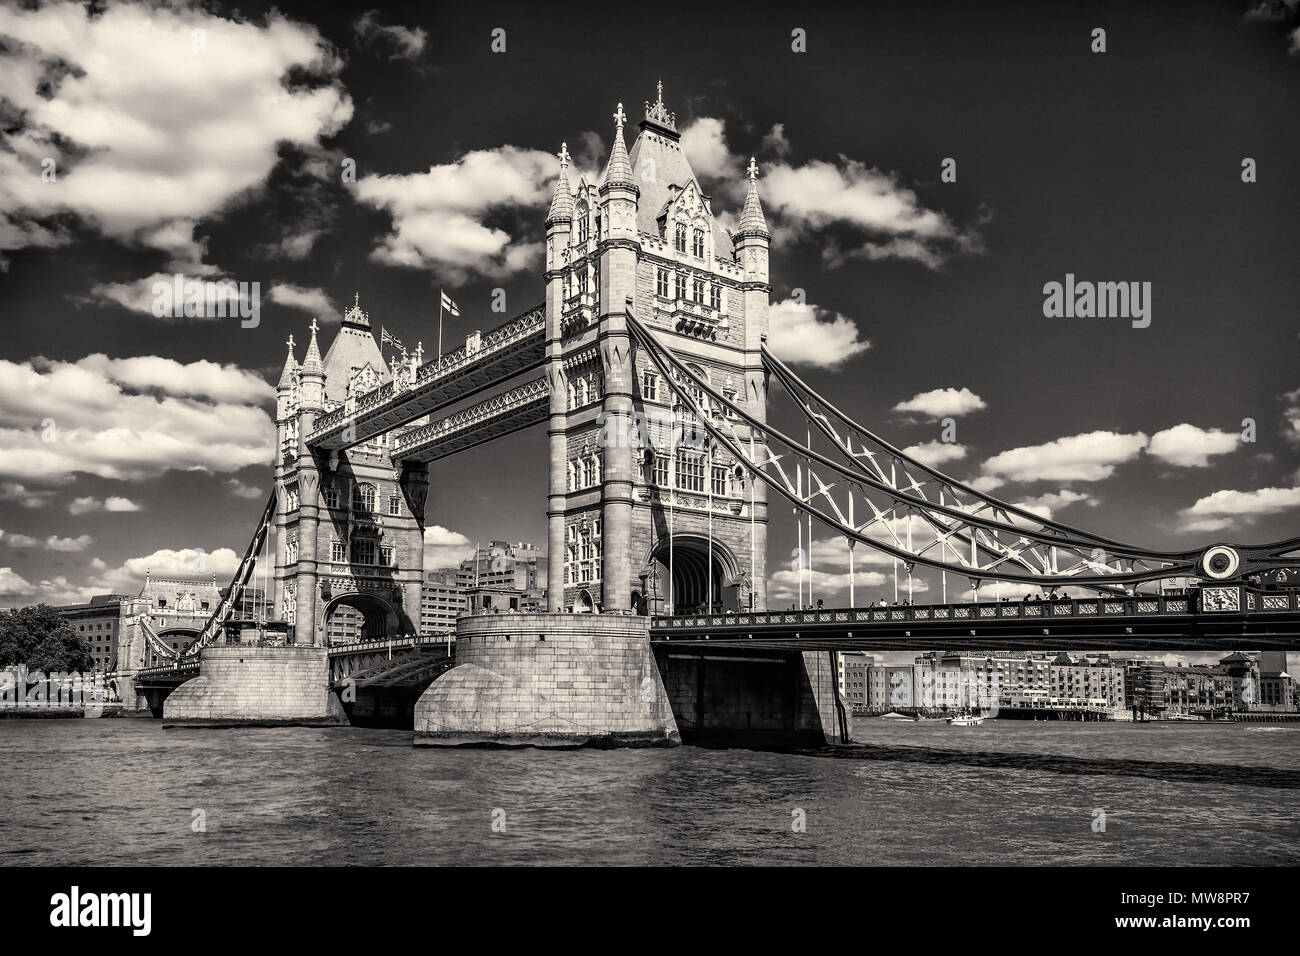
654 386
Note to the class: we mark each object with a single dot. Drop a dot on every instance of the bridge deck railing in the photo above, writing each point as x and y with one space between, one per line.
1100 606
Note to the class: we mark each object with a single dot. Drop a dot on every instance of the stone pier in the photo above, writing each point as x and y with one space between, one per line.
549 680
256 686
757 699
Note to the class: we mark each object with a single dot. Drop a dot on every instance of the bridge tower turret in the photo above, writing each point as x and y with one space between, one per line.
286 452
559 222
619 254
752 242
311 402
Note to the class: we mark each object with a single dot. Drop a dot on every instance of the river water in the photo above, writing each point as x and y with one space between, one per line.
124 791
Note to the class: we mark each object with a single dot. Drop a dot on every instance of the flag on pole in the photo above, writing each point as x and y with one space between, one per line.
389 338
447 304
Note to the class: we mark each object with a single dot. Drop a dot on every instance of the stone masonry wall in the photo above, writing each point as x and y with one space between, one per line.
548 680
254 685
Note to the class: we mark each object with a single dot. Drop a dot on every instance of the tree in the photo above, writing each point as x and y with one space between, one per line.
40 638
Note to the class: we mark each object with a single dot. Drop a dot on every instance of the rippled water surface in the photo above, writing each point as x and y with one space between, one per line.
124 791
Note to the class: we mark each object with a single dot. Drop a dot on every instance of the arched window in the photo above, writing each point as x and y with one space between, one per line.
363 498
698 245
583 224
680 240
573 475
595 468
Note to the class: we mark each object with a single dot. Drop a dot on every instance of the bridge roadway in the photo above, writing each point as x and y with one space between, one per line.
516 347
1260 620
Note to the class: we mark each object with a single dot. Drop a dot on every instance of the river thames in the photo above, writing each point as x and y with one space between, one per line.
124 791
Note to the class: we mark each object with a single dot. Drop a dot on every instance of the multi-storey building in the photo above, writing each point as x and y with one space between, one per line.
1088 679
442 600
97 624
853 668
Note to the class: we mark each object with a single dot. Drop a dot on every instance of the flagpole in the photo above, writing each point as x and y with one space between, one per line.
440 297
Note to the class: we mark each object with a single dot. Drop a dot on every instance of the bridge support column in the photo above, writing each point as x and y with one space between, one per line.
257 686
549 680
754 698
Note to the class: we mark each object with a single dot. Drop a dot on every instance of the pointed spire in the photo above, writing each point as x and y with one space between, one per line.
752 220
290 367
562 203
657 113
312 364
618 172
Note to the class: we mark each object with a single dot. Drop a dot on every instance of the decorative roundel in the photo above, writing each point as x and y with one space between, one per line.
1220 562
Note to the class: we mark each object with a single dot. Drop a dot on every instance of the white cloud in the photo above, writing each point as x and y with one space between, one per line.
1226 509
201 379
24 496
438 216
444 548
13 584
403 43
935 453
943 403
1292 414
20 540
1047 505
1089 457
241 490
81 543
132 110
705 145
315 301
103 426
800 334
775 141
889 218
81 506
128 577
1190 447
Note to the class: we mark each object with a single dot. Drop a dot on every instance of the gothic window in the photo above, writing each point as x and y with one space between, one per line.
595 468
394 505
715 297
338 551
719 480
699 291
698 246
588 472
583 224
661 471
573 476
363 498
331 493
363 550
649 385
730 395
573 396
681 286
291 548
586 546
690 470
680 242
595 560
661 283
582 392
386 555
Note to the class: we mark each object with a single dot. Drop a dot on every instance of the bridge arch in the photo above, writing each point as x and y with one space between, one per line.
690 560
361 616
178 638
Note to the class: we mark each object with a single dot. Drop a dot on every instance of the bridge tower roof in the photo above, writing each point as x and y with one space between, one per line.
354 347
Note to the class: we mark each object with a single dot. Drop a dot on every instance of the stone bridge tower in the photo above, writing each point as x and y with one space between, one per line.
644 514
349 525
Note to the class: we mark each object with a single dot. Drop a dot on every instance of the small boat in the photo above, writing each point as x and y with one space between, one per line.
965 720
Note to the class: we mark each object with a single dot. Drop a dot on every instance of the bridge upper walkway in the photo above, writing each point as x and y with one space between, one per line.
516 347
